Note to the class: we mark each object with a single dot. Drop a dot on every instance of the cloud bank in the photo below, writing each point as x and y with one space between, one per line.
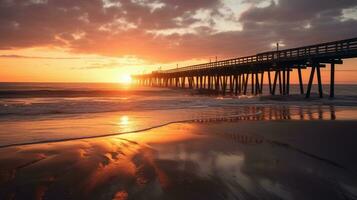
173 30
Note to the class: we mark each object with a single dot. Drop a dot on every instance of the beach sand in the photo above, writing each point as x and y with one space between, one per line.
237 159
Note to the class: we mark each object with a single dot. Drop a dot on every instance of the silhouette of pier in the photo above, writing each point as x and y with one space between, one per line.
239 75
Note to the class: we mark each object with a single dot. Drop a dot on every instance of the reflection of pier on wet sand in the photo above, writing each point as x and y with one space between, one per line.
256 113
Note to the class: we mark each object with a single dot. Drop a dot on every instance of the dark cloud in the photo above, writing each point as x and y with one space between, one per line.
297 10
300 22
170 30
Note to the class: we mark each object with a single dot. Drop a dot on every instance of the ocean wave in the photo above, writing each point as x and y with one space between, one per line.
80 93
61 106
60 99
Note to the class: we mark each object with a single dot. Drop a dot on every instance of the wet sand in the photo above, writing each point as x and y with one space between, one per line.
252 159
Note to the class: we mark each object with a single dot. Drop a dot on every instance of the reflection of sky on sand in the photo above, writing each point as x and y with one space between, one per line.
60 127
124 124
179 161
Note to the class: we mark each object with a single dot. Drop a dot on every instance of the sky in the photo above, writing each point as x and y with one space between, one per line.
103 40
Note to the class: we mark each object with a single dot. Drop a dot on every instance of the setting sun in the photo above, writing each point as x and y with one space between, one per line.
125 79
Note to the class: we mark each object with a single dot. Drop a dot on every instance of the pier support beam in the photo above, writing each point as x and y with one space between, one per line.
269 79
204 82
201 81
209 82
196 82
310 82
246 84
237 84
332 81
300 81
231 83
257 87
183 81
252 83
288 81
319 80
274 83
280 85
284 81
261 82
217 84
240 85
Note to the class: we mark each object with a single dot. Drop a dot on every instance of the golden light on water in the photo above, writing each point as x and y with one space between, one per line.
124 120
125 124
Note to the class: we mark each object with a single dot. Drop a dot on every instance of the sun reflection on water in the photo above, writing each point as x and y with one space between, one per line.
124 120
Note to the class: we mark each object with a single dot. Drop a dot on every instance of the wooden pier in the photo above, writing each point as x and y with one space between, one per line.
239 75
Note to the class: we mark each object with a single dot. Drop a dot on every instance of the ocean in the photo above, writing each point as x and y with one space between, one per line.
111 141
46 112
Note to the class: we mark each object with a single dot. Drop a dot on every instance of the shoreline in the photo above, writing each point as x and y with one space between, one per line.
243 113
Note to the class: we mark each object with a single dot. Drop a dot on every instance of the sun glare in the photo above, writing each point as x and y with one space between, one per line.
124 120
125 79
